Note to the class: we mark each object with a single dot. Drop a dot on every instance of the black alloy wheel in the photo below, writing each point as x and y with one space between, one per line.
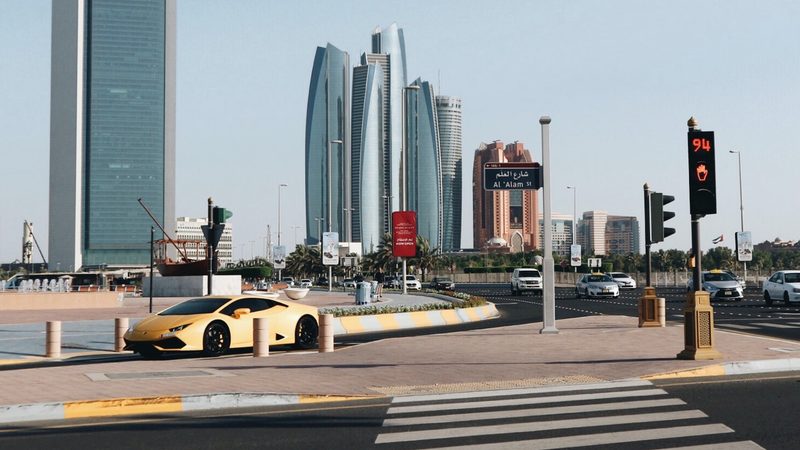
767 298
216 339
306 332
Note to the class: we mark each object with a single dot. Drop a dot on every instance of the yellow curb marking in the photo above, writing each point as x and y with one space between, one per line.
710 371
450 316
352 324
122 406
420 318
387 321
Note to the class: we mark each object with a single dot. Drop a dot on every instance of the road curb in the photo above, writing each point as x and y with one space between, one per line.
417 319
732 368
128 406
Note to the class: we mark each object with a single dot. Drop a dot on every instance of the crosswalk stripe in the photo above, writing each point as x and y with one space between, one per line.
737 326
537 390
741 445
531 412
524 401
527 427
600 438
773 325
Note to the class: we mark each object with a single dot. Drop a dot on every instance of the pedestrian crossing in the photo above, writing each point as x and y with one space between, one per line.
623 414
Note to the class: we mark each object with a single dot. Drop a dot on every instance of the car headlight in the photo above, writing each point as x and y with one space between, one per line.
710 288
178 328
796 290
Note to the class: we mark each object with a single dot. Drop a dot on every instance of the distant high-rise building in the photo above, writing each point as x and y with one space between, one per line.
509 218
389 51
189 229
424 184
561 232
370 204
112 138
448 113
328 162
602 234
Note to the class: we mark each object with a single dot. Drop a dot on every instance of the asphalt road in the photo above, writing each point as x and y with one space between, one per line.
730 412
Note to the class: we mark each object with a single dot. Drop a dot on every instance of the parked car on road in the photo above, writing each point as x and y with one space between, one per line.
216 324
349 283
288 280
413 283
523 279
306 283
719 285
596 285
443 283
785 285
623 280
391 282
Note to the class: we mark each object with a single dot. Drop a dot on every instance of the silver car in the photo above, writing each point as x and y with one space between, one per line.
596 285
720 285
623 280
783 285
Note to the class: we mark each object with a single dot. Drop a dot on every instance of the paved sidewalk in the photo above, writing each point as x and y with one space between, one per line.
588 349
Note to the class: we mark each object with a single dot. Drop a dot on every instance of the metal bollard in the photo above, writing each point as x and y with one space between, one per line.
53 339
662 312
325 333
260 337
120 327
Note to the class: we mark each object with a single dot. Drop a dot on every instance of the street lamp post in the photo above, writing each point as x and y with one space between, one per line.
574 216
282 185
741 204
294 228
549 294
330 208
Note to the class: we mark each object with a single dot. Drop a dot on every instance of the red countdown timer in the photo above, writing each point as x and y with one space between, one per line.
702 180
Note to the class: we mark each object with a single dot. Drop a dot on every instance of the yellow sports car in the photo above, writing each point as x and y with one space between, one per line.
215 324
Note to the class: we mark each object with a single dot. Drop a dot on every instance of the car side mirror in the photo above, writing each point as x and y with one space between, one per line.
239 312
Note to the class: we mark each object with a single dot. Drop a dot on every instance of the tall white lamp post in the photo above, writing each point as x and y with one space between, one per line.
280 186
741 204
330 208
574 216
549 322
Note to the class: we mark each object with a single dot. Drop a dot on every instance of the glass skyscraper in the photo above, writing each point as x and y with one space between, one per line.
424 184
328 199
112 126
448 113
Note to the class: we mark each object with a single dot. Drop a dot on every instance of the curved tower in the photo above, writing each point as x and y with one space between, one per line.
448 113
327 114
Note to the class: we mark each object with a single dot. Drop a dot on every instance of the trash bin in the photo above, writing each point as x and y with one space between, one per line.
362 293
374 286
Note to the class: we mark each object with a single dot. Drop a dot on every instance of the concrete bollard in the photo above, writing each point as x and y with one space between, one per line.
260 337
120 327
325 333
53 339
662 312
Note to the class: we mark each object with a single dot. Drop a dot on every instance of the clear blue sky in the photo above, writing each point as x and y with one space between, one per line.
619 79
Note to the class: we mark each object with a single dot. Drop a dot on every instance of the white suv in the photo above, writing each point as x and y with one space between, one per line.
526 280
413 283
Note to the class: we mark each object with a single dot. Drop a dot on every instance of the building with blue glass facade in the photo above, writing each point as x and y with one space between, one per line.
448 113
424 171
327 146
112 121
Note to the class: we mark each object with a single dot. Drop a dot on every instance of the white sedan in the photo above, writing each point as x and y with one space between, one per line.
413 283
782 285
623 280
596 285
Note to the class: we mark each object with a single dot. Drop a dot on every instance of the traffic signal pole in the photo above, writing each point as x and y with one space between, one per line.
650 307
698 315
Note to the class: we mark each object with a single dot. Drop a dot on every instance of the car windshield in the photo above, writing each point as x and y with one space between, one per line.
791 277
195 306
598 278
410 277
619 275
722 276
529 274
442 280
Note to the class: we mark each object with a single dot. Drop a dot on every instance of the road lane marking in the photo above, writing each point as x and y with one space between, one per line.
774 325
601 438
531 412
527 427
524 401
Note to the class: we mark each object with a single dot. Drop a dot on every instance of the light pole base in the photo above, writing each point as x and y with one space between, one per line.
651 309
698 330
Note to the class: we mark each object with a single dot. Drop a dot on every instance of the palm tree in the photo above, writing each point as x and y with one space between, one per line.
305 261
426 256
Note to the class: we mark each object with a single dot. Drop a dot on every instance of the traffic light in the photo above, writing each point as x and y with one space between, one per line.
220 215
702 178
658 216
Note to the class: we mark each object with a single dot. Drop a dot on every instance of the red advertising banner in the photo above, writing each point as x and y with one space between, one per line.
404 234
